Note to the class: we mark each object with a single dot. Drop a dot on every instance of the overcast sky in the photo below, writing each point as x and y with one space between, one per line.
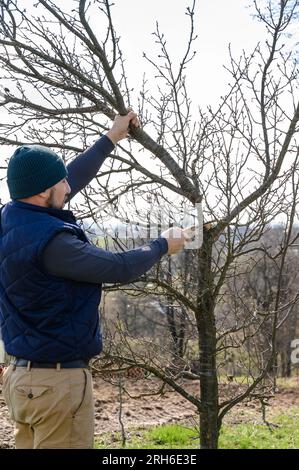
217 24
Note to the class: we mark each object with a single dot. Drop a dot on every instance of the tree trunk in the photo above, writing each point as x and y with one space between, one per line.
209 429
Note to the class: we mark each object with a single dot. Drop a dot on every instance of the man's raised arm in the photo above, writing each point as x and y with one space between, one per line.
86 165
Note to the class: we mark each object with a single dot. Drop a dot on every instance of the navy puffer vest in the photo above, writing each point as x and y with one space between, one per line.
44 318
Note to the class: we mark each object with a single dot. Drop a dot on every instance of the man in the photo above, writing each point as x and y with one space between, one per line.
50 281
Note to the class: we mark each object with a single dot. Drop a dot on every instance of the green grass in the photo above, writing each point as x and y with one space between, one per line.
170 436
250 436
173 436
285 435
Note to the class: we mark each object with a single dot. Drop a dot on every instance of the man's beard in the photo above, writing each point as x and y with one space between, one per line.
51 200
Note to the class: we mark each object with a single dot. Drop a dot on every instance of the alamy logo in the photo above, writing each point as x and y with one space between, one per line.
152 221
295 353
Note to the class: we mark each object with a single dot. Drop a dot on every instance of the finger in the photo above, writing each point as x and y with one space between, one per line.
188 238
135 122
131 115
188 235
192 228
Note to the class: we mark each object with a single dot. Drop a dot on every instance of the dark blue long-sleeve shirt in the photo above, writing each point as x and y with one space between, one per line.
68 257
85 166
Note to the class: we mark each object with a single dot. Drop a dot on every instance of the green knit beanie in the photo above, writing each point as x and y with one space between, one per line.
32 169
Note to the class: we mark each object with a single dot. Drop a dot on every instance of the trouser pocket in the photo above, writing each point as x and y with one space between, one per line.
30 402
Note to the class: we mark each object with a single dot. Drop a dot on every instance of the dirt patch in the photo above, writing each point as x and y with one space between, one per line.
145 411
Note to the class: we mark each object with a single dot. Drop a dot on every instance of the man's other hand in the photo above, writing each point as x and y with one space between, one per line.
175 238
120 128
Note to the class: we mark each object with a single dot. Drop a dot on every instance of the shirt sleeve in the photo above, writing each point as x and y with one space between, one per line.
68 257
86 165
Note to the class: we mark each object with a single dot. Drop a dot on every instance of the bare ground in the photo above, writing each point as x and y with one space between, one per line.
146 411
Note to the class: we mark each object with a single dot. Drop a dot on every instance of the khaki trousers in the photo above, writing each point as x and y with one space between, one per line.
51 408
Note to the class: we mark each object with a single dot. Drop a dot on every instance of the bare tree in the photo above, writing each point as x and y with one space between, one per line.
260 285
63 78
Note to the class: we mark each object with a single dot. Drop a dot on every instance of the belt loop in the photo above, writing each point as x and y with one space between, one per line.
29 366
58 366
